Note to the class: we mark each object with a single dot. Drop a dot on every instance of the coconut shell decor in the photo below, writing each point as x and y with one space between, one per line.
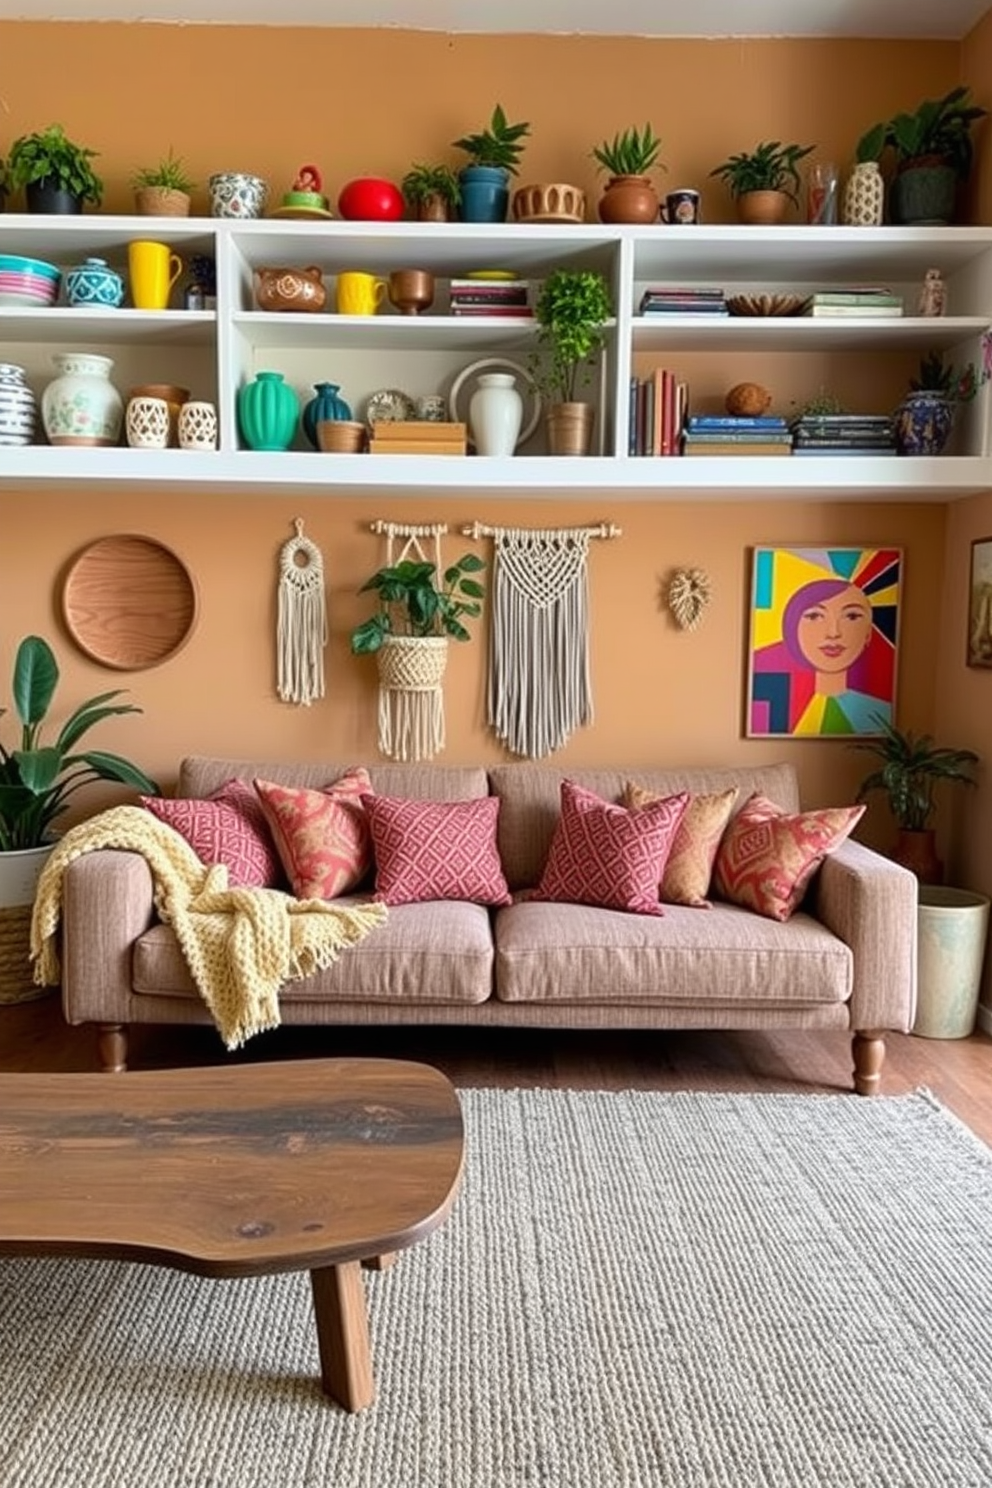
747 399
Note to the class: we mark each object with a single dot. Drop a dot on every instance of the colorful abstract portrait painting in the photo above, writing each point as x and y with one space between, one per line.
824 637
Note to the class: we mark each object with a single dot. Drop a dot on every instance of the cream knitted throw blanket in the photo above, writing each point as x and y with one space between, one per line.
241 944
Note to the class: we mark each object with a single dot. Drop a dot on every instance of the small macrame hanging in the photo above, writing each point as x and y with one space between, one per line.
411 668
302 620
539 690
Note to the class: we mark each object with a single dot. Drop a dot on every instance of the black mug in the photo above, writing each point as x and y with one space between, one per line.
681 207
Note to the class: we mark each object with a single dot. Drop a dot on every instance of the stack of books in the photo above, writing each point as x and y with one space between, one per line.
684 302
866 300
417 437
657 411
843 434
731 434
501 297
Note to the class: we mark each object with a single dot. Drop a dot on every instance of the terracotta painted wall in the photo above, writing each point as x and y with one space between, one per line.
362 102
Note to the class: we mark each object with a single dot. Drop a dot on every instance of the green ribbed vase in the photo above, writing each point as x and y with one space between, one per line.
268 412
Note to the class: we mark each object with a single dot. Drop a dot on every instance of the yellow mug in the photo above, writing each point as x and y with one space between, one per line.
154 269
359 294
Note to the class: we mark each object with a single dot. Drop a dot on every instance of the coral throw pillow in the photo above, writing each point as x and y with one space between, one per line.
766 858
608 855
228 827
322 835
436 850
687 875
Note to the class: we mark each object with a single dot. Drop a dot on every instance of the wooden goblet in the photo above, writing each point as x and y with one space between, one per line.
411 290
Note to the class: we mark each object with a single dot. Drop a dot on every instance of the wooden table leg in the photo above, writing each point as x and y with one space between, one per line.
380 1262
343 1334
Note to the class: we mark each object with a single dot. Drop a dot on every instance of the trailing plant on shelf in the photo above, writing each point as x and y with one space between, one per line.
422 183
912 766
770 166
498 145
632 152
36 779
571 311
170 175
50 159
413 603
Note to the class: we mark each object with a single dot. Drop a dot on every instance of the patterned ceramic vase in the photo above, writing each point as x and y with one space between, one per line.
146 422
864 196
197 426
923 423
327 405
268 411
18 409
236 194
82 406
93 283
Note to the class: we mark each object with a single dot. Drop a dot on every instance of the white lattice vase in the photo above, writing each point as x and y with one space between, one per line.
146 423
197 426
864 196
495 412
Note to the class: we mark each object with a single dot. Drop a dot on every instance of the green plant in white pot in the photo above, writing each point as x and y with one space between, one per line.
572 309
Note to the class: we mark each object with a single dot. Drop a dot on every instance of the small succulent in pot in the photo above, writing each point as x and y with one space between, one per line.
632 152
424 183
770 166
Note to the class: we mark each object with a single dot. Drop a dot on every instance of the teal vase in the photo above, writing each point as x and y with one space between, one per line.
268 411
326 405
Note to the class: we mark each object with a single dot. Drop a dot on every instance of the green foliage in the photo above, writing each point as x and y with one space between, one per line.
412 604
497 146
169 174
573 306
822 402
937 376
940 129
50 156
912 766
423 181
632 153
770 166
37 780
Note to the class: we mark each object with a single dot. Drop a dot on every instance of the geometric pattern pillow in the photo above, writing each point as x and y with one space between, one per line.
766 858
436 850
322 835
227 828
609 855
687 875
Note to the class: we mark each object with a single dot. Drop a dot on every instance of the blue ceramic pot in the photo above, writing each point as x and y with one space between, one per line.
268 411
326 405
485 193
93 283
923 423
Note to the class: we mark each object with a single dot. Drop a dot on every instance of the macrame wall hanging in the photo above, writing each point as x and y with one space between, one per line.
689 592
301 633
411 668
539 689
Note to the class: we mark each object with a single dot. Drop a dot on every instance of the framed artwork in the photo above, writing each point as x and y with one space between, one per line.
823 642
980 604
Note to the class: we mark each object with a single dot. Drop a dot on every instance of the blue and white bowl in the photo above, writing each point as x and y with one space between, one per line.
27 282
93 283
236 194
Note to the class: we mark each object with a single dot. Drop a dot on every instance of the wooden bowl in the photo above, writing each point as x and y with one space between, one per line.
340 436
548 203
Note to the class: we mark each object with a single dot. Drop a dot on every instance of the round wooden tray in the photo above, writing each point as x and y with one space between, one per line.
129 602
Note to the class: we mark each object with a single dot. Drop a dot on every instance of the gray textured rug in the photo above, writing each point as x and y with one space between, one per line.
635 1288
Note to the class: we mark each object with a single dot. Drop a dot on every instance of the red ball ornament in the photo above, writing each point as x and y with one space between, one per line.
370 199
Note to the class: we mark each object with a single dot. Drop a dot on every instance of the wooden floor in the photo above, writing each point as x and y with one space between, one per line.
34 1036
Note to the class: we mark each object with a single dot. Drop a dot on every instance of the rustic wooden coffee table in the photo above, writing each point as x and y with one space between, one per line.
241 1170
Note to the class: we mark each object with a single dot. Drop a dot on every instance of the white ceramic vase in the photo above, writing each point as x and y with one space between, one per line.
495 411
864 196
18 410
82 406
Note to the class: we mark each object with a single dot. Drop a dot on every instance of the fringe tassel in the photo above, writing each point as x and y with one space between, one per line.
302 621
411 724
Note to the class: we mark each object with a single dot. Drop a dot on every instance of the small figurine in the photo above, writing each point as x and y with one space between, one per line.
933 295
308 179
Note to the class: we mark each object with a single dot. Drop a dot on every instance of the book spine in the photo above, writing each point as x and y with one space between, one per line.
743 436
632 418
736 421
867 312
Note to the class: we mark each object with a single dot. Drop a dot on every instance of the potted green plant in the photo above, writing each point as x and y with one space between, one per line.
494 156
933 152
764 180
571 312
925 417
627 158
55 173
431 192
163 190
4 182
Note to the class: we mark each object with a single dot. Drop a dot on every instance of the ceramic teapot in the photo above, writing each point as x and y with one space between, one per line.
290 289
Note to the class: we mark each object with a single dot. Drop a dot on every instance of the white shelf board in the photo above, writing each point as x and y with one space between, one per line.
83 326
803 332
66 239
306 331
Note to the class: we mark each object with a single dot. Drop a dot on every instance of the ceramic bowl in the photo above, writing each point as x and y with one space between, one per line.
236 194
28 281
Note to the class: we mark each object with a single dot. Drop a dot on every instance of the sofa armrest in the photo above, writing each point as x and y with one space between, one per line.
870 903
106 904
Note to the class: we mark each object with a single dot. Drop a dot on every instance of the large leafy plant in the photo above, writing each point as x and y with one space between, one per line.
572 308
51 156
412 603
36 779
770 166
938 132
911 767
499 145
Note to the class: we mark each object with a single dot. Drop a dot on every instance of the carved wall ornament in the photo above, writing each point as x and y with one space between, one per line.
688 595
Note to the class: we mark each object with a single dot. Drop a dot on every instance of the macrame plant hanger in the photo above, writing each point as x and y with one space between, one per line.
411 668
301 633
539 688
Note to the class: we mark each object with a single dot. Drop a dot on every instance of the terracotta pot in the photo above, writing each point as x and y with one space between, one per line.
569 428
629 199
917 851
762 208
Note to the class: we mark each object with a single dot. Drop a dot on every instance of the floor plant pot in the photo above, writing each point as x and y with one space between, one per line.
923 423
917 851
485 193
628 199
952 927
924 196
570 428
40 196
19 872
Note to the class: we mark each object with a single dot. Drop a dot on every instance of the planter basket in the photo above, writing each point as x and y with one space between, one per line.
411 703
16 982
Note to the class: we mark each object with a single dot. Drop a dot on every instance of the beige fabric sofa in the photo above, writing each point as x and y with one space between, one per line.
846 959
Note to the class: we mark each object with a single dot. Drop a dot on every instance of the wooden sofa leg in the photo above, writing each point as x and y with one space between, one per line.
869 1056
112 1044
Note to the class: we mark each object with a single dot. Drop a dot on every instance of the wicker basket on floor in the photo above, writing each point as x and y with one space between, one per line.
16 982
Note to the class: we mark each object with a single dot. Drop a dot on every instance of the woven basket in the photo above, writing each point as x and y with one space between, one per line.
412 663
16 983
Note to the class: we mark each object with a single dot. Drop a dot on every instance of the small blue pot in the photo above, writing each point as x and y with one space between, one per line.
485 193
93 283
326 405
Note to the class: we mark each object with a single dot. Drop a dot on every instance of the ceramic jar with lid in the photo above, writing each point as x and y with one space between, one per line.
18 410
94 283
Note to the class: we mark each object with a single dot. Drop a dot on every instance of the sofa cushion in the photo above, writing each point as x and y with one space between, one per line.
199 774
228 828
322 835
424 953
729 957
687 874
767 857
607 854
436 850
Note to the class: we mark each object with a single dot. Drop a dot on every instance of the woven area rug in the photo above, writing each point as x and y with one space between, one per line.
634 1289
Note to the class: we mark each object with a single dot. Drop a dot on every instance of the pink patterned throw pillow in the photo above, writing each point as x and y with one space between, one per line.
436 850
227 828
322 835
766 858
610 856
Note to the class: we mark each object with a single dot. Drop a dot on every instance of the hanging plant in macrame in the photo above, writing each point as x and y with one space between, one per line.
301 626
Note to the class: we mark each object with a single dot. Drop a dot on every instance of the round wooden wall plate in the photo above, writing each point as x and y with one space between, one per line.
129 602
